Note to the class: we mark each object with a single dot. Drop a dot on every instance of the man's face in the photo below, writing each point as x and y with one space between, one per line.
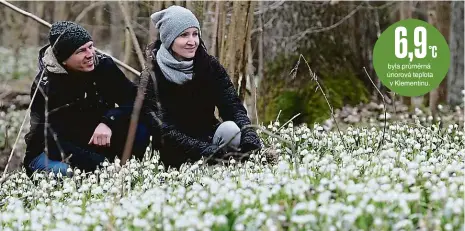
82 59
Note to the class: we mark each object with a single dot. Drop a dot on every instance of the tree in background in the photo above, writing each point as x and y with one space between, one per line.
259 43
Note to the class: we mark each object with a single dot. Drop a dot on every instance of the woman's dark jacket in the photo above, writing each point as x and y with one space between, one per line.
186 112
77 103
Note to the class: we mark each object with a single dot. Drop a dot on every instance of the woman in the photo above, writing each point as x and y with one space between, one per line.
185 84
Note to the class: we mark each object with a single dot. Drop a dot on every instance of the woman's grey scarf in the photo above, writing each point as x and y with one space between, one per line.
175 71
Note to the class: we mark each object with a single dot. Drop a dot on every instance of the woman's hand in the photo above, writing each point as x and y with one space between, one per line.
101 136
250 141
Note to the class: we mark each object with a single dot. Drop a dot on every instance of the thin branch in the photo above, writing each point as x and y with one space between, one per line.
301 35
378 29
215 28
314 77
267 25
135 118
273 6
255 100
144 79
384 104
87 9
298 114
22 125
370 7
277 117
13 7
133 35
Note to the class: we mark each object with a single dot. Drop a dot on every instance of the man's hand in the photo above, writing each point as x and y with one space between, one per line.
101 136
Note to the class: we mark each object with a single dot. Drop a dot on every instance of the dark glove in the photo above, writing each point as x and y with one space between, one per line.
248 147
212 150
250 141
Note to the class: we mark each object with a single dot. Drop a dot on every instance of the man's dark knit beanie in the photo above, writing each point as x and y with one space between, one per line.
72 37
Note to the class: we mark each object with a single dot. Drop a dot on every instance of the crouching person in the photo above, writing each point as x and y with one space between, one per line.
75 121
185 84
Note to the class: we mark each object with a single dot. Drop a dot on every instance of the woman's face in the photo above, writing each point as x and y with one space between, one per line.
185 45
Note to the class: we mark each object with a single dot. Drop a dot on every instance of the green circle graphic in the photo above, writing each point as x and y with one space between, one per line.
411 57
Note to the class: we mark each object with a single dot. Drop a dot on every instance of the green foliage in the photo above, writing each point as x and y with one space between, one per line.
341 87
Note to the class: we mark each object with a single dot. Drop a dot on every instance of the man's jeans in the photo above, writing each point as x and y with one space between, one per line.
87 159
43 163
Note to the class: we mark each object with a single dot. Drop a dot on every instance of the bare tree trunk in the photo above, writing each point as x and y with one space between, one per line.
405 13
247 61
33 29
167 4
438 16
178 3
61 11
214 38
190 5
251 79
239 30
97 32
260 44
198 11
130 29
230 45
153 32
208 23
222 32
128 46
116 30
16 37
455 78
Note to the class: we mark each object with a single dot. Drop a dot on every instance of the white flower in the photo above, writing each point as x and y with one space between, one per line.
303 219
239 227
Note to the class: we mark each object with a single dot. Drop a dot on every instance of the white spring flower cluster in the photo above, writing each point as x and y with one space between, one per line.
415 181
18 65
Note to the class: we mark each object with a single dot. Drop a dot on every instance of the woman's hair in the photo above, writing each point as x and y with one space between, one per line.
201 50
202 45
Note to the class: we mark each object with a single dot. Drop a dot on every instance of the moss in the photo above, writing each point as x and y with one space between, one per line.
338 72
341 87
287 102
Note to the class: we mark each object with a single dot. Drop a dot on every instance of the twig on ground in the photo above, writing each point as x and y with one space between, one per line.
298 114
314 77
385 113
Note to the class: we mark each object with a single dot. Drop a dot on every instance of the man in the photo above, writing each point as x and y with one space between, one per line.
74 118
